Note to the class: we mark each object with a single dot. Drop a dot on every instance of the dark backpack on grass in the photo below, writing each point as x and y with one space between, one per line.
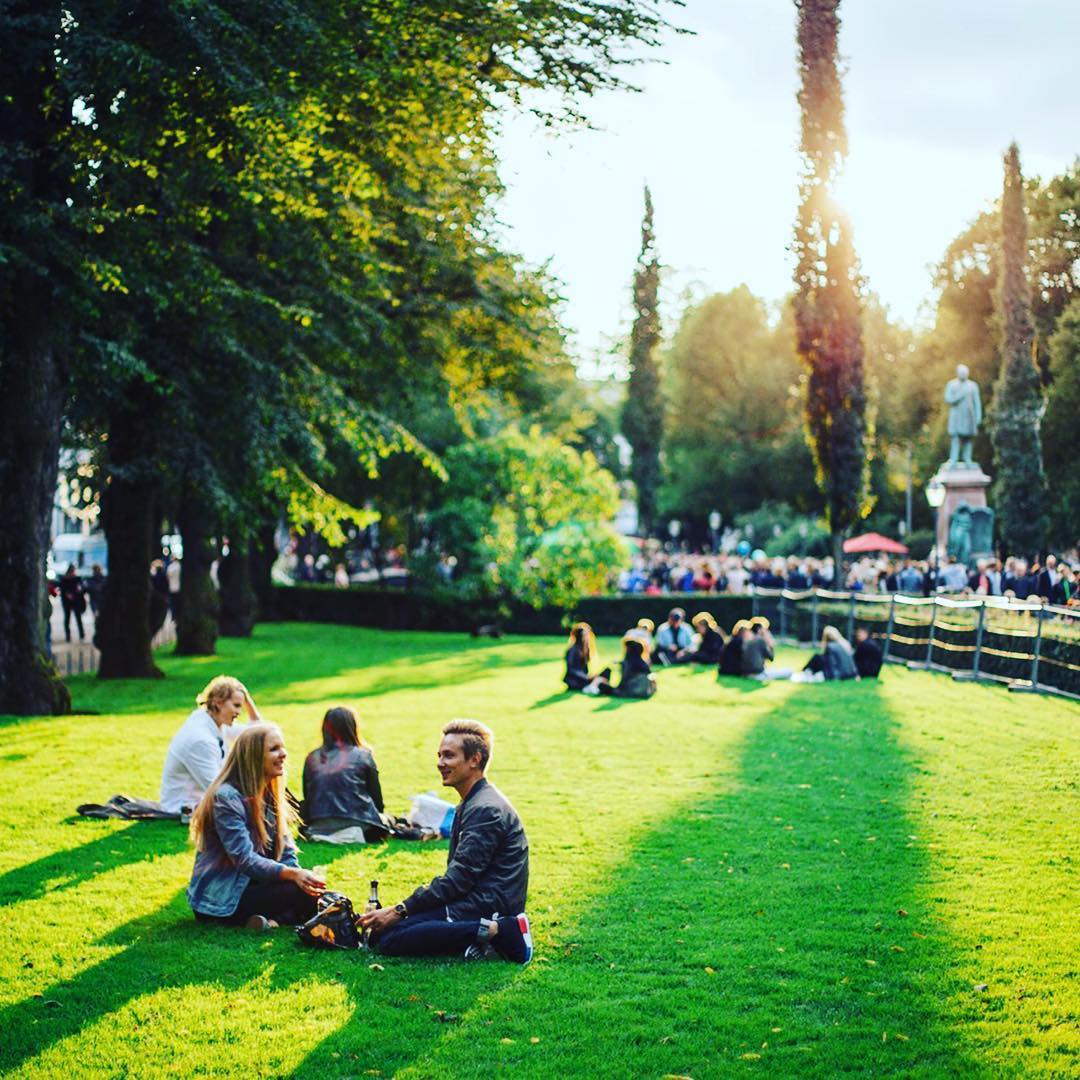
333 926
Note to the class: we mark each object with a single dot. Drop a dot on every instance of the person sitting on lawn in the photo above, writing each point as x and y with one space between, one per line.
636 679
758 648
197 750
711 640
478 906
674 638
839 655
835 661
579 654
246 871
867 654
343 800
731 655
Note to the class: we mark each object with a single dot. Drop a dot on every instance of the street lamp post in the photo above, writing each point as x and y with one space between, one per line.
935 496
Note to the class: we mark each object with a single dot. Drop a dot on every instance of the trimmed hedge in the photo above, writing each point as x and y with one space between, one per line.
415 609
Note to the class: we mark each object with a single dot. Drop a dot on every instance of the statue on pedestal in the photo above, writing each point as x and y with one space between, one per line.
965 415
960 525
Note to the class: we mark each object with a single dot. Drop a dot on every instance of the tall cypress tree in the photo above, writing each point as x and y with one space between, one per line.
827 305
643 413
1020 488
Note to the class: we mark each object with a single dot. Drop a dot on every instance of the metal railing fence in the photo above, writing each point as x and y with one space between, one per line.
1028 645
83 657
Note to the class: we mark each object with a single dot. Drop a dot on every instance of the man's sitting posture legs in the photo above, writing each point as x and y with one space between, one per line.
465 910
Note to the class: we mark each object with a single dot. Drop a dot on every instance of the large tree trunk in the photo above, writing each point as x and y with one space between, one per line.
197 629
263 555
32 384
239 604
31 402
129 516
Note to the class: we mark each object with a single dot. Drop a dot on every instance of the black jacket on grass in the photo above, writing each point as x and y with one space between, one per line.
487 869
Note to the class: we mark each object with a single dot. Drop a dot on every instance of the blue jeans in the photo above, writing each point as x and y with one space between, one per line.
428 933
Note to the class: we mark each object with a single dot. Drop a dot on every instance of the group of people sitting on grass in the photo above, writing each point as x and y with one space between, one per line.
747 652
243 824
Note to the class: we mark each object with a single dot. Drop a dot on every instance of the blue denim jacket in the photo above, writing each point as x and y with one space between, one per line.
230 860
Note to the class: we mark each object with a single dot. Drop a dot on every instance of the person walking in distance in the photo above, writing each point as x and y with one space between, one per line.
72 600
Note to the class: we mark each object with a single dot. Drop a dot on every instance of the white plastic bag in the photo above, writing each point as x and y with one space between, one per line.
430 812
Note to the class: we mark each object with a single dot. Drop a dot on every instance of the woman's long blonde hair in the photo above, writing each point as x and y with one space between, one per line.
581 634
245 769
831 633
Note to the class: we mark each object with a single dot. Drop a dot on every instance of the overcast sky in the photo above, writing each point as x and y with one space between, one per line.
935 91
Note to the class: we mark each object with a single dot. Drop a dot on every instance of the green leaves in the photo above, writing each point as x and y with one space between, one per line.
528 518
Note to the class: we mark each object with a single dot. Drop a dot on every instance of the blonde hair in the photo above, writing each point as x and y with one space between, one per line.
705 617
476 738
637 635
646 624
245 769
830 633
220 688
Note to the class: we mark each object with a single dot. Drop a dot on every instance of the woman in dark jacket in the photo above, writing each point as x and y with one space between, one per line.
711 645
635 679
579 654
731 656
341 782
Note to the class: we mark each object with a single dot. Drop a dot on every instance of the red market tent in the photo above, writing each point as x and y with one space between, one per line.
873 542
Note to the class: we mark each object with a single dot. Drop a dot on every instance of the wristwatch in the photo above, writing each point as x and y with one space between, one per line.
400 909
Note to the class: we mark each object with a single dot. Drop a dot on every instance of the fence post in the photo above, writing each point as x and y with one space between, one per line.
783 615
1038 649
813 619
753 601
930 635
889 627
979 638
851 616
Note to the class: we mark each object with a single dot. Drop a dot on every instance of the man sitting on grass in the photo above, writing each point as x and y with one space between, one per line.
478 906
673 639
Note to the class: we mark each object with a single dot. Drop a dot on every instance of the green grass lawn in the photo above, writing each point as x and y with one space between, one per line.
731 878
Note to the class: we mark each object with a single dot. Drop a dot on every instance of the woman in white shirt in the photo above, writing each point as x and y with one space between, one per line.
198 749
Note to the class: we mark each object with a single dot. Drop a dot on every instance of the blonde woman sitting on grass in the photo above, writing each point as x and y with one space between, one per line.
246 871
197 750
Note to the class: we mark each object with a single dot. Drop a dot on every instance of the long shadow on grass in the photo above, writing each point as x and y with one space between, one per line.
169 950
63 870
280 658
778 925
166 949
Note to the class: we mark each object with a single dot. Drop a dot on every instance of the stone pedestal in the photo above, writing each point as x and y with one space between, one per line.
963 483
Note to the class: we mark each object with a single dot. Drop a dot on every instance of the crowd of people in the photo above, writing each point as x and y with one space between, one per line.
231 780
656 572
747 652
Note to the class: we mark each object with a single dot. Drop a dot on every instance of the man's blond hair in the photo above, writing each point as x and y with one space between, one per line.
476 738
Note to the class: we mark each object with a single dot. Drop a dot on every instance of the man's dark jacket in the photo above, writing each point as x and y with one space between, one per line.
487 870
